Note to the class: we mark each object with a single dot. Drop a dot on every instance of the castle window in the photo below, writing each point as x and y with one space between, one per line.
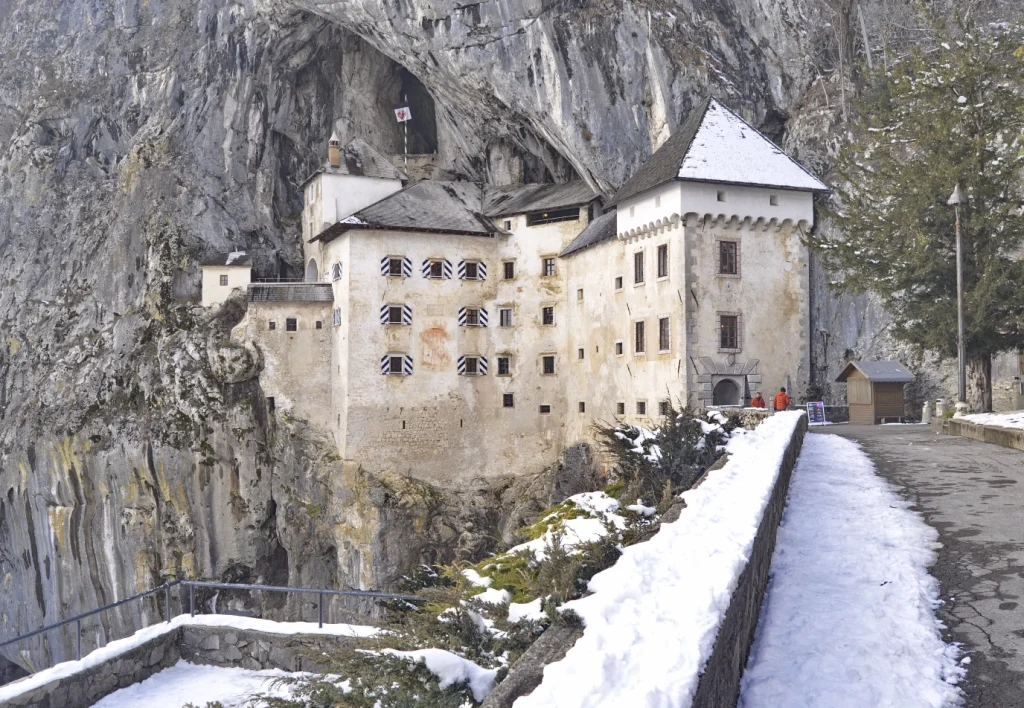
618 348
472 365
664 408
579 353
508 400
472 317
640 337
505 317
223 280
548 315
641 407
291 324
472 270
504 366
392 267
508 224
664 334
545 408
549 364
663 260
773 199
579 294
336 317
554 216
396 365
638 267
721 196
728 258
548 266
396 315
510 269
583 407
618 282
319 324
271 325
437 268
728 332
620 408
336 271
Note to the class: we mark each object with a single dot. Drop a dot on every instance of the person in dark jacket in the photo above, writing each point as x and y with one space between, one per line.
782 400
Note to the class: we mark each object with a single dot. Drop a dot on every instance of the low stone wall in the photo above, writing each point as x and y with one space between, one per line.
720 683
197 644
1006 437
84 688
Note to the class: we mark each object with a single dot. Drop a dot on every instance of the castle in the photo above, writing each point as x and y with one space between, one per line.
450 329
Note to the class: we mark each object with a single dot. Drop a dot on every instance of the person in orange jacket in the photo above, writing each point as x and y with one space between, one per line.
782 400
758 401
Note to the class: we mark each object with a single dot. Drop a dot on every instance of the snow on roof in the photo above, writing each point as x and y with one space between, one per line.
234 258
716 145
878 371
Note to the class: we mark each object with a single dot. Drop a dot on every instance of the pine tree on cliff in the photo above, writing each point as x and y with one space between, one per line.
949 113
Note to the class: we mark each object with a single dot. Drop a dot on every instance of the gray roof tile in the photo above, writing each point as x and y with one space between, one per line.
520 199
290 292
878 371
600 229
233 258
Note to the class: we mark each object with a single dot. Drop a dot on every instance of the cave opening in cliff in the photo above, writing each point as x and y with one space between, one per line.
423 126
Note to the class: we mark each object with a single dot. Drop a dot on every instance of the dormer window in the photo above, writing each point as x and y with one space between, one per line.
554 216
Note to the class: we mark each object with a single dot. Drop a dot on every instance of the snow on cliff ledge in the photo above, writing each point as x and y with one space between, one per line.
652 619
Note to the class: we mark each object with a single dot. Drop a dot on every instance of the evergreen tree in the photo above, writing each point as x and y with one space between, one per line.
949 113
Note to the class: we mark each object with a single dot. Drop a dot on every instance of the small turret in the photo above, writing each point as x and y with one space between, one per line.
334 150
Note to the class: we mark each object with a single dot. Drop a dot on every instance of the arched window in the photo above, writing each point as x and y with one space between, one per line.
727 393
312 272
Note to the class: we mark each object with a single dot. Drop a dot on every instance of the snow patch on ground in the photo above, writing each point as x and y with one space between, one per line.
476 579
1002 420
493 596
526 611
849 618
578 531
652 619
451 669
188 683
120 646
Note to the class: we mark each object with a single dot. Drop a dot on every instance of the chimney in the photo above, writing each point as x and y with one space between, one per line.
334 150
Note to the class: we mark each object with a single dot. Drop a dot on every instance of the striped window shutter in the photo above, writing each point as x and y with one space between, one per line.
481 365
406 267
385 364
407 315
336 271
426 268
447 268
462 270
407 365
462 318
384 265
336 315
462 366
384 314
481 271
483 317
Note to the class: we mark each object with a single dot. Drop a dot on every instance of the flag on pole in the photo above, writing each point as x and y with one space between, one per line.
403 114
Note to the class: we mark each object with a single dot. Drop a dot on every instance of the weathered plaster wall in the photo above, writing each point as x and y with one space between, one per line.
330 198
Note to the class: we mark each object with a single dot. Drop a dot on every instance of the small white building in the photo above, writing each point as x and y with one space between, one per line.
453 330
224 272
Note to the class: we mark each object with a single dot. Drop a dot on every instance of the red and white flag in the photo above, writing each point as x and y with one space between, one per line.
403 114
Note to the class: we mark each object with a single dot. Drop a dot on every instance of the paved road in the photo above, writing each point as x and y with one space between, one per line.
973 494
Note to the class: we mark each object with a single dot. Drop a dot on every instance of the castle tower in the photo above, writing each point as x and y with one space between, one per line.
334 151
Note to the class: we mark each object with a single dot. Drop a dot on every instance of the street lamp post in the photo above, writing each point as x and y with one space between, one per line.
956 200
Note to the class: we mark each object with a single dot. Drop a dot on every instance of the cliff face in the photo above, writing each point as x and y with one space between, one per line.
138 135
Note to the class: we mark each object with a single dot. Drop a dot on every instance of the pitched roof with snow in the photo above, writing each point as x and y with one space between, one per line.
878 371
439 207
361 160
716 145
234 258
600 229
520 199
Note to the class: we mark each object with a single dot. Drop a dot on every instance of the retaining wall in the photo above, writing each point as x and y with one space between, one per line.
1005 437
195 643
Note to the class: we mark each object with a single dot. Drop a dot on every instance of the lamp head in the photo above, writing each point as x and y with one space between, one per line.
958 196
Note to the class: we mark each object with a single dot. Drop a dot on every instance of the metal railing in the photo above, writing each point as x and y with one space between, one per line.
192 585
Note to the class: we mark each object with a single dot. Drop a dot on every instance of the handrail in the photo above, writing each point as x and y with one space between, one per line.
192 585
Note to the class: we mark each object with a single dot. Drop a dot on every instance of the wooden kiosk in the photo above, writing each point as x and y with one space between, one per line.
874 391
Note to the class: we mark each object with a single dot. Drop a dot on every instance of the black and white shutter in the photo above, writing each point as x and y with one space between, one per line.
482 316
426 268
406 267
481 365
406 365
385 265
462 317
407 314
336 271
462 270
385 364
462 366
336 316
481 271
385 314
